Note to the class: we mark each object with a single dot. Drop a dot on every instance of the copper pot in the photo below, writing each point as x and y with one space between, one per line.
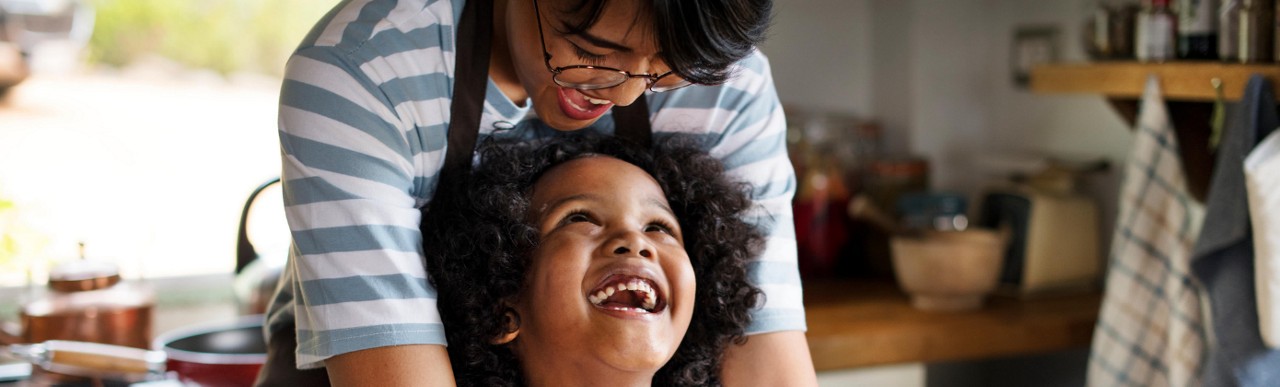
87 301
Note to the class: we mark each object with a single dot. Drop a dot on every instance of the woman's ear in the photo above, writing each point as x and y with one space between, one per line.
511 327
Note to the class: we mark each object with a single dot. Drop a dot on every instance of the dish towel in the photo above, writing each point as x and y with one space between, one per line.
1149 330
1224 258
1262 180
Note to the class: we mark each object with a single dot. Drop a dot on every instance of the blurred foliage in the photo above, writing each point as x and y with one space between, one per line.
18 244
223 35
8 247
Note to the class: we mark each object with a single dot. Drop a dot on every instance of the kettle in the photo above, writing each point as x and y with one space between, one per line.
87 301
256 278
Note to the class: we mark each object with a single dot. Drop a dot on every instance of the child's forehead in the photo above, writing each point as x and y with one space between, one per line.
580 172
596 160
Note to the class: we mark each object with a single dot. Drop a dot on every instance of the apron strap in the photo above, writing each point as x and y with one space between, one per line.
470 82
632 122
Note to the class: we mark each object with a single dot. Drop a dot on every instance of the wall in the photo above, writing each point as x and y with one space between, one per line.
936 74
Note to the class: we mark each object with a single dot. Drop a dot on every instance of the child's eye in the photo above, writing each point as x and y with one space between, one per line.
659 226
575 217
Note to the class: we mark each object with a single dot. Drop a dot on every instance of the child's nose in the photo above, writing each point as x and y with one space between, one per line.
630 243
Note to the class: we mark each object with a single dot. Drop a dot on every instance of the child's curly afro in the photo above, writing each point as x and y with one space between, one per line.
477 245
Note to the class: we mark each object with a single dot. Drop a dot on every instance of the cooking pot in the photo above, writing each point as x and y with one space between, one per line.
86 301
256 275
227 354
216 355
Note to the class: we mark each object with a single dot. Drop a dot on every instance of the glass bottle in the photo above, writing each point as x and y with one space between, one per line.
1197 29
1156 32
1257 30
1229 30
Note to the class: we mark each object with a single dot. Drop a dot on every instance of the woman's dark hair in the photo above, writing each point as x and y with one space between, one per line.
699 39
478 245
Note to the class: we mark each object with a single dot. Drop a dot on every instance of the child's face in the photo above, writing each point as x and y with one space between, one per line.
603 224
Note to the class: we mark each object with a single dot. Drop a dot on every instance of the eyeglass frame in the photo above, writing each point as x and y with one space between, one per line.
650 79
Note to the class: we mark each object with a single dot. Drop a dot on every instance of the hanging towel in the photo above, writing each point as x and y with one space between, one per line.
1223 259
1149 330
1262 181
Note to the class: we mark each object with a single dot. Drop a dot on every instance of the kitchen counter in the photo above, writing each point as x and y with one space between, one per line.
852 323
860 323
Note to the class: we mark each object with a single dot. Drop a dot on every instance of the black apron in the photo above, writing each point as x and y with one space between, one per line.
475 32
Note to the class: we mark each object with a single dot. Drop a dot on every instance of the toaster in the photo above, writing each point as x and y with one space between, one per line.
1052 239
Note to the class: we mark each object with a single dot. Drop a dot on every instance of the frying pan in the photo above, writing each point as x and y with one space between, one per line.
225 354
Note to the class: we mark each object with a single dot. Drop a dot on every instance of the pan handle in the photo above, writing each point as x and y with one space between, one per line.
93 359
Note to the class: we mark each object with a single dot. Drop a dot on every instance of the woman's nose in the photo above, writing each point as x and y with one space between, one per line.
629 243
627 92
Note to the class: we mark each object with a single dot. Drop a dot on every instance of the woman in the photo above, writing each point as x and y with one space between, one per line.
578 262
380 86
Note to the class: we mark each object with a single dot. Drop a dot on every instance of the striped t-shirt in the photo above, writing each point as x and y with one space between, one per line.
363 116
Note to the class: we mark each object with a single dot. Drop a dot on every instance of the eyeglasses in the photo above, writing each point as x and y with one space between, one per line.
588 77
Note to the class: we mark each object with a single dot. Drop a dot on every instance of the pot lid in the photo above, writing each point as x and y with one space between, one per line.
82 275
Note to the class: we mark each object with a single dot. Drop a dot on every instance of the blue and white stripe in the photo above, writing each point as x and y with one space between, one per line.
363 117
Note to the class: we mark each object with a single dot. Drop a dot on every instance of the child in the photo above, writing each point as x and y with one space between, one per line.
576 262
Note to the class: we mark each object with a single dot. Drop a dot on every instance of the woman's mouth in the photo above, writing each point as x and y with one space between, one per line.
578 106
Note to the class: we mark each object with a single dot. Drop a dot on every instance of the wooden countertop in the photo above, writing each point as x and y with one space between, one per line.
857 323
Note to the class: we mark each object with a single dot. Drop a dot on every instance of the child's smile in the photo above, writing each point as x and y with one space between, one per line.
610 289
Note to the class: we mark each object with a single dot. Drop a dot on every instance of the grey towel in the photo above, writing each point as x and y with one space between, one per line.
1223 254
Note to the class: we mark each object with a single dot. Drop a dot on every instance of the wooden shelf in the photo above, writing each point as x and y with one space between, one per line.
1180 81
858 324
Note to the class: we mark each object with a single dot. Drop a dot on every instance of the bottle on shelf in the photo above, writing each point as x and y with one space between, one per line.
1257 31
1156 32
1197 29
1229 30
1108 31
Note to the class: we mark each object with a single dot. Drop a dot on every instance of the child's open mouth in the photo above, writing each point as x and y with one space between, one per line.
626 293
578 106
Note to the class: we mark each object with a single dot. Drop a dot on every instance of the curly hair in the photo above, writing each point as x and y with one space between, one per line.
478 245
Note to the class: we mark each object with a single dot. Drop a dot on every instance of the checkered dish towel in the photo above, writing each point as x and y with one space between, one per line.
1150 330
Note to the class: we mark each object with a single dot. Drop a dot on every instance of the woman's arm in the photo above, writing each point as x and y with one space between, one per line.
402 365
769 359
359 155
748 131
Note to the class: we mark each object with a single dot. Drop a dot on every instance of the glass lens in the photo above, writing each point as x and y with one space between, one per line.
669 82
587 78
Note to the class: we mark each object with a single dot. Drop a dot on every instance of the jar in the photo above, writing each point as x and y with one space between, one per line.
933 211
890 178
1109 31
1156 32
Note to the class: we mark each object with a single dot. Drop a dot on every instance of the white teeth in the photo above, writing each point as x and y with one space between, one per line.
598 101
648 301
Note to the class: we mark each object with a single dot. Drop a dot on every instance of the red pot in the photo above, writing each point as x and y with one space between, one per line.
216 355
